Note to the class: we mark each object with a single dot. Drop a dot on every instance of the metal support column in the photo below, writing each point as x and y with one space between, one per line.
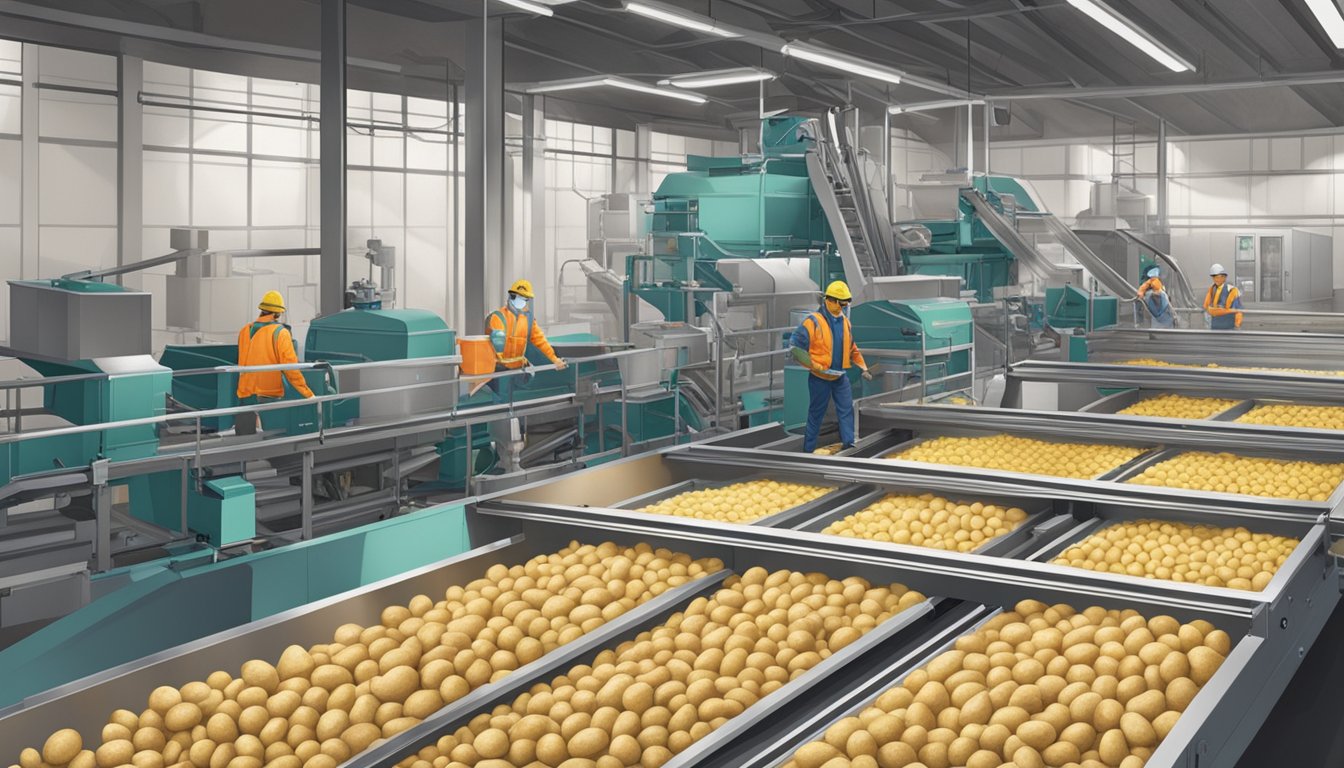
1162 175
332 168
886 165
970 139
643 150
485 169
534 199
306 500
130 167
988 110
30 98
102 516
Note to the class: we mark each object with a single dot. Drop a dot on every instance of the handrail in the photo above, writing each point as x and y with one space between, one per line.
318 400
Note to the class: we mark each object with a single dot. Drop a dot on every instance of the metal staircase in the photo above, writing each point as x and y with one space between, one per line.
855 207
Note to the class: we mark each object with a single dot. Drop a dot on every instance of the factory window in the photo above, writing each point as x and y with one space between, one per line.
238 155
579 160
77 160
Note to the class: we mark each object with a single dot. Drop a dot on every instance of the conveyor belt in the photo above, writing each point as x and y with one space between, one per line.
1268 626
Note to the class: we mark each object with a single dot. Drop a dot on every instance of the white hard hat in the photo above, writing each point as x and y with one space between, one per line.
1217 269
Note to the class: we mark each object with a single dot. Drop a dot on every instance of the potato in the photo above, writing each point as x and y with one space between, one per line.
1113 748
1149 704
1204 661
62 746
260 674
1138 730
1036 734
182 717
112 753
396 685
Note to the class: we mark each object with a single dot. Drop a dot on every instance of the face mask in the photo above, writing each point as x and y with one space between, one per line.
519 303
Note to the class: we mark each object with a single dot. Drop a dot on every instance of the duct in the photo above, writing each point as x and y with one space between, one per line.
1136 91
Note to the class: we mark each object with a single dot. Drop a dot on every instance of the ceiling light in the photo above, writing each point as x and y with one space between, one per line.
631 85
530 7
567 85
719 77
841 62
1132 34
927 106
614 82
680 19
1327 13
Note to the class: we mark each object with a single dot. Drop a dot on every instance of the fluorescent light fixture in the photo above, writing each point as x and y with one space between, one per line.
928 106
719 77
631 85
598 81
530 7
679 18
841 62
1327 13
1132 34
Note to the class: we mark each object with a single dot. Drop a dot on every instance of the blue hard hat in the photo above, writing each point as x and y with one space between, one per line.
1154 271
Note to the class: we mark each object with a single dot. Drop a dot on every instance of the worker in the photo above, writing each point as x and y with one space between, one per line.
512 327
1222 302
1154 296
824 344
267 341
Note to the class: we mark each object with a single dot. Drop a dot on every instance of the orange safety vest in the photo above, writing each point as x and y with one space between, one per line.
519 330
267 342
820 345
1224 295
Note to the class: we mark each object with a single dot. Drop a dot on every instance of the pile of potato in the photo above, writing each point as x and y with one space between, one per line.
828 450
1163 363
1246 475
1286 415
1199 554
739 502
1173 406
654 696
929 521
317 706
1022 454
1036 686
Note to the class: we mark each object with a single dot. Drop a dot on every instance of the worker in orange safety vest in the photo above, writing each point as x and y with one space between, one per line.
824 344
267 341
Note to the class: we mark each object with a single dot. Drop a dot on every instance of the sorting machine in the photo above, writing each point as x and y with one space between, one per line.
1271 629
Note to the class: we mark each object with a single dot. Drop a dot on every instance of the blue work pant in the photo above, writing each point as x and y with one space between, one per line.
820 393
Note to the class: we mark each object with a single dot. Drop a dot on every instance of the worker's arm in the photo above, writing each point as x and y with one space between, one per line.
802 345
285 349
1144 288
856 357
497 334
539 341
1236 307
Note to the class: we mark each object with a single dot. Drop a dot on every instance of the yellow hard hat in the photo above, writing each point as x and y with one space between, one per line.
522 288
838 290
272 302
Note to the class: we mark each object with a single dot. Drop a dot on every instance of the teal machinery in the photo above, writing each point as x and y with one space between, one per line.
93 340
766 206
966 247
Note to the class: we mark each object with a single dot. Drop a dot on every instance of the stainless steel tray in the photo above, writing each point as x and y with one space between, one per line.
557 662
1119 401
1008 545
840 493
1173 751
1105 476
1136 467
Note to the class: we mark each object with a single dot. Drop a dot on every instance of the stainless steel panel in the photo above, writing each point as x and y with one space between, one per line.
59 324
